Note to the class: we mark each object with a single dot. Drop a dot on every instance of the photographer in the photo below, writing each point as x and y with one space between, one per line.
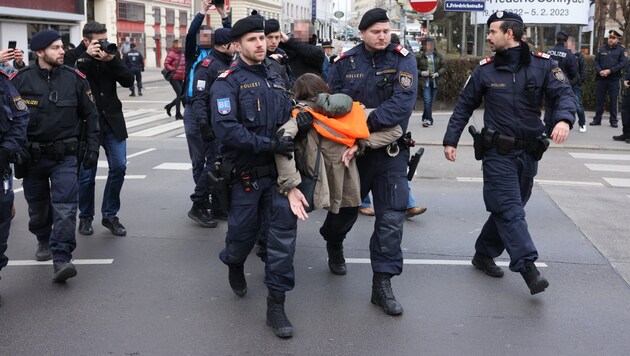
101 63
15 54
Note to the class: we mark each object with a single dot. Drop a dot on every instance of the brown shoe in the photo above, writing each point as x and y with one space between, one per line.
366 211
416 210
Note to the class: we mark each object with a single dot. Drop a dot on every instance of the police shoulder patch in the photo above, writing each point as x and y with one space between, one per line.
343 55
89 94
486 61
206 62
558 74
4 73
225 74
542 55
405 79
402 50
223 106
79 73
19 103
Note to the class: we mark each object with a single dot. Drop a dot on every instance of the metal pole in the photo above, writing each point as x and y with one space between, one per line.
463 52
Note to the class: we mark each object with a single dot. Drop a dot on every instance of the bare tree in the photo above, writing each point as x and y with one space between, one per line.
624 21
601 10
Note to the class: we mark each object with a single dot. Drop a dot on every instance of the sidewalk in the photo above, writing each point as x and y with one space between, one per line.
153 75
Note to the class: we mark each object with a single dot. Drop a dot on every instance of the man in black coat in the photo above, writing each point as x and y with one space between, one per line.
303 57
103 70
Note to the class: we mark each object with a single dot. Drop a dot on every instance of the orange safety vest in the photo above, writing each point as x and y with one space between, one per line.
345 129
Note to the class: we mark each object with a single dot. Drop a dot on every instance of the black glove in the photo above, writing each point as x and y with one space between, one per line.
282 145
207 134
372 122
90 160
304 121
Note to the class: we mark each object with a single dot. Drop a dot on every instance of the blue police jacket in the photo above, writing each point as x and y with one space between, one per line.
566 61
385 81
205 74
134 60
58 100
610 58
249 104
13 116
512 98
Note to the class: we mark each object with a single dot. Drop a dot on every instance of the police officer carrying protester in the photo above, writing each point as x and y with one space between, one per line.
512 141
13 123
610 60
249 104
383 77
104 69
135 62
63 120
199 135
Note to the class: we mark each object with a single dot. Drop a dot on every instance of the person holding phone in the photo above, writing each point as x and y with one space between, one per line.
14 54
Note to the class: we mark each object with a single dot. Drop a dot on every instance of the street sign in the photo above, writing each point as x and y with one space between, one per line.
423 6
464 5
338 14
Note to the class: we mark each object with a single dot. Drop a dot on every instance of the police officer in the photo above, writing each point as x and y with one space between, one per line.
199 135
512 139
568 63
610 60
383 77
625 110
60 103
249 103
577 87
272 36
135 62
13 123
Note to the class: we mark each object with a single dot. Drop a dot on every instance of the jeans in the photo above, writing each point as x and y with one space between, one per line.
366 203
428 95
580 108
116 152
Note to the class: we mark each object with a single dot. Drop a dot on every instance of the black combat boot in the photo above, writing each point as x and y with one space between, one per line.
336 262
236 276
487 265
43 252
63 270
199 213
383 296
534 280
276 317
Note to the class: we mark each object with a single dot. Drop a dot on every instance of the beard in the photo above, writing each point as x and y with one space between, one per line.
52 61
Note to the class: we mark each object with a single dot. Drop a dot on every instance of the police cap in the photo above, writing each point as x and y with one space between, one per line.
271 25
132 45
614 33
327 44
43 39
504 16
562 36
222 36
372 16
248 24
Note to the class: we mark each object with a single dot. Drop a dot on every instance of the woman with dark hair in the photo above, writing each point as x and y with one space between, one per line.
338 187
175 62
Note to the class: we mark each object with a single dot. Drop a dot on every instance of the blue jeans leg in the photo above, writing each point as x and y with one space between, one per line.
367 202
428 96
580 108
412 200
116 153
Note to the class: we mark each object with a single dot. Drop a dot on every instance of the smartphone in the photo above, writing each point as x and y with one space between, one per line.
12 44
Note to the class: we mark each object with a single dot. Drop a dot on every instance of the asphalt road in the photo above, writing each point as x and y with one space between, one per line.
162 290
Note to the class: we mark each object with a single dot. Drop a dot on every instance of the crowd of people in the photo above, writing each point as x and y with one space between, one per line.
275 129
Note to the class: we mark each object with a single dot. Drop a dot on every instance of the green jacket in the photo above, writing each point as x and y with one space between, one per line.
423 64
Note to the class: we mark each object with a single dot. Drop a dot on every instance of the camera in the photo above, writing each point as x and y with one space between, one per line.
109 48
218 3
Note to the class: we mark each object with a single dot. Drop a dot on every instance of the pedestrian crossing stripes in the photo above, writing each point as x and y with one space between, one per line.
152 123
607 168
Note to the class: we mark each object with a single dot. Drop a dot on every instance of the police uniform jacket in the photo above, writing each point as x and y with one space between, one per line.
134 60
513 98
249 103
566 61
103 77
384 80
58 100
13 117
610 58
205 74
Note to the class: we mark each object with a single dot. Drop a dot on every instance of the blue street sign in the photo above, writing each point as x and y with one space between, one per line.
464 5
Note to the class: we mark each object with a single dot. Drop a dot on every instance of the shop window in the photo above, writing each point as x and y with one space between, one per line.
170 17
157 15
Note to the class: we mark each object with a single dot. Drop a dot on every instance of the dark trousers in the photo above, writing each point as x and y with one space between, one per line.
137 73
245 219
625 114
177 88
51 190
202 156
602 87
6 203
508 181
580 107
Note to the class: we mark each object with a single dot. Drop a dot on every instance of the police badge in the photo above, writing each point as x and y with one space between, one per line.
405 79
557 73
19 103
223 106
201 85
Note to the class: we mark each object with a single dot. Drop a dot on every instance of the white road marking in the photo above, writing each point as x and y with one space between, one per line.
174 166
132 113
49 263
145 120
182 135
540 181
127 176
602 156
436 262
618 182
159 129
608 167
140 153
145 101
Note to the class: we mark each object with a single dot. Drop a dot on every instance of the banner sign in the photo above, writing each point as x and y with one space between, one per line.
574 12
